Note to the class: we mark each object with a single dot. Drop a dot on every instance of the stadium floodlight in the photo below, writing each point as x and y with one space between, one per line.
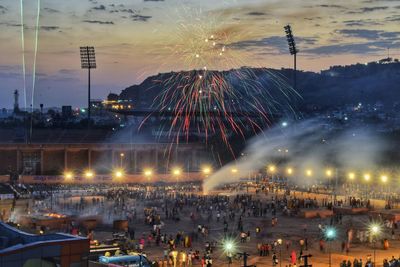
119 173
89 174
68 175
293 51
176 171
206 170
148 173
88 61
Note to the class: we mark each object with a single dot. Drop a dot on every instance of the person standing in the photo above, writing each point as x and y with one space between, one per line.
274 260
293 257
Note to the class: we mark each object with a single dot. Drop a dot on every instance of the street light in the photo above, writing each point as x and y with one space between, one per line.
234 170
351 175
385 188
367 178
309 172
289 171
121 157
148 172
328 173
330 235
229 247
119 173
176 171
206 170
89 174
374 230
68 175
272 168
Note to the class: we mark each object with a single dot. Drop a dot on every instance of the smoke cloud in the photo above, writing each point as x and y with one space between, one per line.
310 145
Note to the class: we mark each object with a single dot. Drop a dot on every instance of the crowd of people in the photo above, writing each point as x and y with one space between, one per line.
181 226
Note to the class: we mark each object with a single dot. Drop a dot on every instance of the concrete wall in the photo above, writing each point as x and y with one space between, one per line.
103 158
53 162
8 161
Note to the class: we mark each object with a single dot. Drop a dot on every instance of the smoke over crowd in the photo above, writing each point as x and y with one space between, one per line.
306 145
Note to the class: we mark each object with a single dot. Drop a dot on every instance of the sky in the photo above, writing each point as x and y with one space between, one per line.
135 39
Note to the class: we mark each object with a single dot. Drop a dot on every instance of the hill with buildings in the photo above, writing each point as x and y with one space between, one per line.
371 83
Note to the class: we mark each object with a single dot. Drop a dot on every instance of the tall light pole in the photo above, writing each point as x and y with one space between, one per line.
330 235
329 174
272 170
177 172
374 231
121 157
229 247
293 51
367 178
88 61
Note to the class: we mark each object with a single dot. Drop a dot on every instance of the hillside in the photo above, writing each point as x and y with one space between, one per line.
339 85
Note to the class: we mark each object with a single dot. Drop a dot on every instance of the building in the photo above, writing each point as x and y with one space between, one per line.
19 249
66 111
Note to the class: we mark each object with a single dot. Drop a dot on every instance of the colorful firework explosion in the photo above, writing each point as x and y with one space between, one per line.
216 95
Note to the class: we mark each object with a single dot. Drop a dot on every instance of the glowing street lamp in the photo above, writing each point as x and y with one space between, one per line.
289 171
89 174
272 168
119 173
309 172
121 157
234 170
384 179
328 172
176 172
375 230
351 175
330 235
206 170
68 175
367 177
148 172
229 248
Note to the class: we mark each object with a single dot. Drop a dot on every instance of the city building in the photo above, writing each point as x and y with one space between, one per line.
19 249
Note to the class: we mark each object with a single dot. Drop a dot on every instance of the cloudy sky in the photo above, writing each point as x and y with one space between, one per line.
138 38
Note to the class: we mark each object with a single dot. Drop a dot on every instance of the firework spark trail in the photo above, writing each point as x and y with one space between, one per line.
23 50
35 54
216 102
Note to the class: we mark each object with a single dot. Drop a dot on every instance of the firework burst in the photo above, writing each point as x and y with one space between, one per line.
215 95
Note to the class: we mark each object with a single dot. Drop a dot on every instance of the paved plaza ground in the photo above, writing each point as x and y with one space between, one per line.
291 229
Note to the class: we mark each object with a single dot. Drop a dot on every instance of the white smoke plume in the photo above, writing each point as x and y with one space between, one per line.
306 145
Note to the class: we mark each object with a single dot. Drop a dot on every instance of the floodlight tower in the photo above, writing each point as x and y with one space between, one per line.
293 51
88 61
